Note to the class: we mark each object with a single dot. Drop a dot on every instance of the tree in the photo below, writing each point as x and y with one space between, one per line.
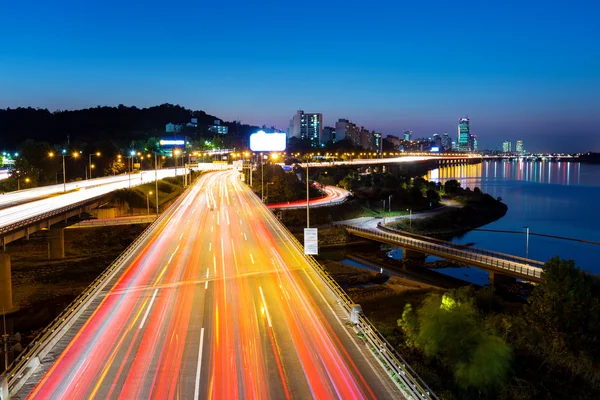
452 187
450 329
566 306
433 196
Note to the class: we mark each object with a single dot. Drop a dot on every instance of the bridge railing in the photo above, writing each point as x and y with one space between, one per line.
43 216
490 253
494 262
395 365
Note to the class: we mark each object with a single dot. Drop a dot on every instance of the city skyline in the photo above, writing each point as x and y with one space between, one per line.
503 72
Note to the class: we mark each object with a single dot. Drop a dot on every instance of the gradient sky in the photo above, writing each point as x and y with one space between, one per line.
519 69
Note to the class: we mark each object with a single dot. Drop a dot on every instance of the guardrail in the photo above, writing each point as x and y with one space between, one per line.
463 254
400 372
40 217
53 332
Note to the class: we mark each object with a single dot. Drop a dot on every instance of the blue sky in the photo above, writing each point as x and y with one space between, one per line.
520 69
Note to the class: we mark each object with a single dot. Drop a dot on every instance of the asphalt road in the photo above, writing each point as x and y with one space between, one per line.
217 304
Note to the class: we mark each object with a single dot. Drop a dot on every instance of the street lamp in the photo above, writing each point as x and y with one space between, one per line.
409 218
307 197
63 155
148 201
97 154
526 227
176 152
390 202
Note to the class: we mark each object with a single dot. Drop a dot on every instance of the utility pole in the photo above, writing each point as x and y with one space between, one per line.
526 227
307 198
156 180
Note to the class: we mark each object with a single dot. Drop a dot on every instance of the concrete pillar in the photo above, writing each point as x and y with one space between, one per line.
501 279
6 304
412 255
56 243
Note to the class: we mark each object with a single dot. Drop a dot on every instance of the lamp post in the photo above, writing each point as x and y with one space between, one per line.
148 201
176 152
307 197
390 202
409 218
156 180
97 154
262 178
63 155
526 227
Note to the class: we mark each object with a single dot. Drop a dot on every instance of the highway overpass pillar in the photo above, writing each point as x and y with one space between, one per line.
56 243
6 304
412 255
501 279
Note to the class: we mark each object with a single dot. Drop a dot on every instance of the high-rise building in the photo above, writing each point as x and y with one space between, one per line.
472 142
437 140
407 135
366 139
394 140
506 146
345 129
307 126
446 142
328 135
519 148
377 142
464 132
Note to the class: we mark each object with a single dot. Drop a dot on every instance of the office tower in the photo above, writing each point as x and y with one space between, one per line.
307 126
408 136
377 142
506 146
446 142
464 132
519 148
472 142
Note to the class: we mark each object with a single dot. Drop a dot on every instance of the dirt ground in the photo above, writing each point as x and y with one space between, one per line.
43 288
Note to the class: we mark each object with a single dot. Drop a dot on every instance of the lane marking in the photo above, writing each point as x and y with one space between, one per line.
252 258
265 306
215 264
210 246
180 236
148 309
206 285
199 368
245 237
227 214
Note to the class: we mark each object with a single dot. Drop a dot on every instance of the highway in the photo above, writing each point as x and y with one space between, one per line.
53 198
216 303
334 195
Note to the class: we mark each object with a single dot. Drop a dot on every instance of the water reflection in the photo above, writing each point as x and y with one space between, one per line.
558 173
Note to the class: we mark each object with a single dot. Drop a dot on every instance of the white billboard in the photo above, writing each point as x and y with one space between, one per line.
262 141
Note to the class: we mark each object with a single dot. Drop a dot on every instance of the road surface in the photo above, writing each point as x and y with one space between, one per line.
334 195
217 304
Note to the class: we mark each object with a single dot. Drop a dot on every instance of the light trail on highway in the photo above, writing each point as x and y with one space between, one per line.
217 303
333 195
77 191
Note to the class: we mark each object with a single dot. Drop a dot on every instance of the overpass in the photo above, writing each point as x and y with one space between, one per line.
499 265
214 300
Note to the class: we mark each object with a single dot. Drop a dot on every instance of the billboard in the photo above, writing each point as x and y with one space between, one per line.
311 241
262 141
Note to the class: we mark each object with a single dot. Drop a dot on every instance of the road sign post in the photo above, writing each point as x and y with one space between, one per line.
311 241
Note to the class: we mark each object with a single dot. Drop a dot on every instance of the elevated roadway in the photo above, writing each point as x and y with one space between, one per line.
215 300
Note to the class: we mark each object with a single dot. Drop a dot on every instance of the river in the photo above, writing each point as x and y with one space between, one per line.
553 198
